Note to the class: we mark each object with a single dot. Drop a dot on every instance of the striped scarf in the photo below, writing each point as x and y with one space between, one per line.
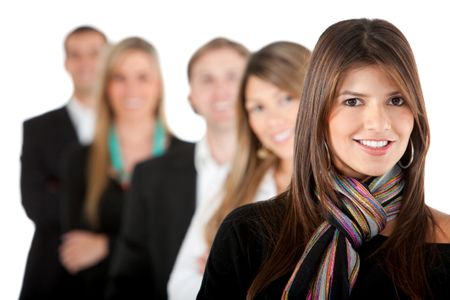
329 265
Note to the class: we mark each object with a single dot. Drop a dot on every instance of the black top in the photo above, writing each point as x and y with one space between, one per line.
93 280
45 139
159 208
239 250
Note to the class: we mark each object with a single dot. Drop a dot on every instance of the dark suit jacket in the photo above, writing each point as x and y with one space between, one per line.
45 138
158 212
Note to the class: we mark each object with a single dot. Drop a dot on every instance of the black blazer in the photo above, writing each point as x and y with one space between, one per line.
45 138
158 211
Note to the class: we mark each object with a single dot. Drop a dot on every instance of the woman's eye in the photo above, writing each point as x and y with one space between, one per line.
287 98
255 108
397 101
352 102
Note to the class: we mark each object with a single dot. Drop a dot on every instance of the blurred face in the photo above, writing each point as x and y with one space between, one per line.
84 53
214 87
272 114
134 89
369 125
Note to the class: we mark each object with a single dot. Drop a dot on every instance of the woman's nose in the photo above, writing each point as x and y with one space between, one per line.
376 118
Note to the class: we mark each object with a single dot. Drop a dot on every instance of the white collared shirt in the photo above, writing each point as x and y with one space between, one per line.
186 278
83 118
210 174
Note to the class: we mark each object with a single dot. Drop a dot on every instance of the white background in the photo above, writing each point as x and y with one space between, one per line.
33 80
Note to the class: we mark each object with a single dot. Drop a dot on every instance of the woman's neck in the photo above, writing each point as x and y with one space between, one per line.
135 131
283 174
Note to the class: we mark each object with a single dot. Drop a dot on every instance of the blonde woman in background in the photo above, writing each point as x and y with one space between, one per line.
266 112
129 129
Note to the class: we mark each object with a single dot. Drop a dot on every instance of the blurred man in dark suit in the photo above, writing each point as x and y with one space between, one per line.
45 138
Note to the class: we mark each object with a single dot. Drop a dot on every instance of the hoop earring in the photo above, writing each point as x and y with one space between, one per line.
411 158
262 153
328 156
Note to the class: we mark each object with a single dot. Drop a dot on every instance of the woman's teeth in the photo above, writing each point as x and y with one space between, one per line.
282 136
373 144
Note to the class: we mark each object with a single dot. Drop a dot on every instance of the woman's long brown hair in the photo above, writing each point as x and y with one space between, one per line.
343 46
283 64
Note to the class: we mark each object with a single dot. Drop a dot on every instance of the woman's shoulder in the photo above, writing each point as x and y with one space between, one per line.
250 230
252 212
442 226
256 221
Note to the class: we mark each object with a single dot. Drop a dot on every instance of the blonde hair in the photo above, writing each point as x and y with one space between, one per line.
99 161
283 64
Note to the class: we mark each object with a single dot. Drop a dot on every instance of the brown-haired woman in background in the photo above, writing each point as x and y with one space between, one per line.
129 129
266 111
353 224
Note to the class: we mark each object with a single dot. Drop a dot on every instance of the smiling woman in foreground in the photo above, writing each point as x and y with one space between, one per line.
353 224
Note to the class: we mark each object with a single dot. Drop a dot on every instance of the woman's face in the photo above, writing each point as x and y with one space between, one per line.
370 123
272 114
135 86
